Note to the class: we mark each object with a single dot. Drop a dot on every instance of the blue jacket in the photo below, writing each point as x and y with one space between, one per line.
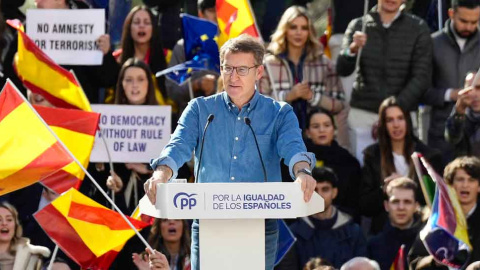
337 240
384 247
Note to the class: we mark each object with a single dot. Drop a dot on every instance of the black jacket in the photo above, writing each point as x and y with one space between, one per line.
371 187
383 248
348 172
395 61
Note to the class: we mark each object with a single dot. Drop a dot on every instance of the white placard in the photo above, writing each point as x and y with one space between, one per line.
133 133
68 36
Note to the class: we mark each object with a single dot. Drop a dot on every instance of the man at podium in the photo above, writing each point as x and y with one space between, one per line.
238 135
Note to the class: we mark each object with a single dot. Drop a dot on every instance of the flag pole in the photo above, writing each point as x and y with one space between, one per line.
109 161
440 14
83 169
364 27
52 260
266 64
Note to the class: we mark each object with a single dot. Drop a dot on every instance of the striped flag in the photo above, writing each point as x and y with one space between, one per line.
445 235
399 262
89 233
77 131
43 76
29 152
426 182
234 18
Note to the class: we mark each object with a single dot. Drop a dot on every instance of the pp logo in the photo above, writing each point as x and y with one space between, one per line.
185 199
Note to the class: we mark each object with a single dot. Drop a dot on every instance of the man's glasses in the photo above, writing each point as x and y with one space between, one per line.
241 71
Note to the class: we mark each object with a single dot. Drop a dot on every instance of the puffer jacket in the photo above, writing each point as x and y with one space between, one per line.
395 61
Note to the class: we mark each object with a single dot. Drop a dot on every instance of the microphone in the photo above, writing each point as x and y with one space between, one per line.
209 120
248 122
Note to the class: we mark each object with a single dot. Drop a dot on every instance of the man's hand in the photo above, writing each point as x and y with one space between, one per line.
464 100
157 260
308 185
306 181
359 40
160 175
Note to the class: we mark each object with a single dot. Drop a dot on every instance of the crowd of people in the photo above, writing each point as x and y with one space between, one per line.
362 133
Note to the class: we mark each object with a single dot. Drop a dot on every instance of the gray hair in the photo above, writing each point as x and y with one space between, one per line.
355 262
244 44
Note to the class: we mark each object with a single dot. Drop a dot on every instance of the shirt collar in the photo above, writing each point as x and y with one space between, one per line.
471 211
250 105
387 25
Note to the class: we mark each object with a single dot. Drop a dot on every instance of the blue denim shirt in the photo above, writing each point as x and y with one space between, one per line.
230 153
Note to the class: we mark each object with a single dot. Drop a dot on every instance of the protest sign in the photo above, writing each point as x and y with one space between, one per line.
68 36
132 133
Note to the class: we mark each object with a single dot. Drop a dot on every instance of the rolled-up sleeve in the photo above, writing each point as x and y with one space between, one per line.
290 144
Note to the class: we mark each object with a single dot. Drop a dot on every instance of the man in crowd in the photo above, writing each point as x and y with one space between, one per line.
404 224
395 60
331 234
463 174
456 51
202 83
236 116
462 126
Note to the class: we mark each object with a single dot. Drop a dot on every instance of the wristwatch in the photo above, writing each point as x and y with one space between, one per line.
305 171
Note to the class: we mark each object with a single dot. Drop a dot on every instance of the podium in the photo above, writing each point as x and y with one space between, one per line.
231 217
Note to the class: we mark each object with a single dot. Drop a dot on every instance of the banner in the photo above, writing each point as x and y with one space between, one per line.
68 36
133 133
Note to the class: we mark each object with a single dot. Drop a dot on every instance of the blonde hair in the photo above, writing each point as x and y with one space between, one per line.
18 228
278 44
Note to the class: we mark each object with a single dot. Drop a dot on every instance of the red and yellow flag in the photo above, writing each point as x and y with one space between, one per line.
76 129
29 152
326 35
399 262
85 230
234 18
43 76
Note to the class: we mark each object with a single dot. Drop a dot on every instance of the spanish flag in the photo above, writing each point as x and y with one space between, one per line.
85 230
234 18
29 152
76 129
43 76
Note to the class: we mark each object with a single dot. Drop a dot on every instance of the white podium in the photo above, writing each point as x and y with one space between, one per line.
231 217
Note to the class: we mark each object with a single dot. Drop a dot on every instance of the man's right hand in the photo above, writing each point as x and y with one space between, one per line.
160 175
359 40
464 100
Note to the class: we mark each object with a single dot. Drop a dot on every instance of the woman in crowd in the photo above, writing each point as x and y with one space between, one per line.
15 251
135 87
141 42
170 237
320 140
390 158
297 70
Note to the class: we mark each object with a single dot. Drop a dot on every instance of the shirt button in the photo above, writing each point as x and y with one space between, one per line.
236 138
232 178
238 118
234 157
